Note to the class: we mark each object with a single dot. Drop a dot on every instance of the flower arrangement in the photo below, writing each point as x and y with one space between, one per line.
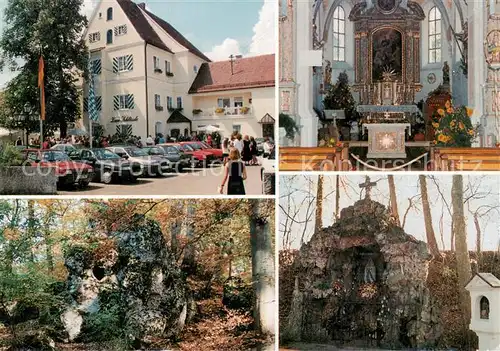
368 291
220 110
332 142
244 110
453 127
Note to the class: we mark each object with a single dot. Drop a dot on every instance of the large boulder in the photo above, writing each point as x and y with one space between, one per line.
132 279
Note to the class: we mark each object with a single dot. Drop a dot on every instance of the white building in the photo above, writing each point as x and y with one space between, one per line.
144 70
236 95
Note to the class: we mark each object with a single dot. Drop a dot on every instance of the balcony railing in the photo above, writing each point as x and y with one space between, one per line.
224 111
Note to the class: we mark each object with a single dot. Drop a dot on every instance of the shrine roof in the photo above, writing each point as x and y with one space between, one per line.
248 73
488 278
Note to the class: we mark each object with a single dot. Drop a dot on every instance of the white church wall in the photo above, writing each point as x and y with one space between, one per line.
430 69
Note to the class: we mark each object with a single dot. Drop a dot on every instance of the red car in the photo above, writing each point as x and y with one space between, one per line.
198 150
199 157
217 152
68 171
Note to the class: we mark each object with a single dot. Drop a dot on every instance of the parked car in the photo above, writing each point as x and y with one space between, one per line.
217 152
177 158
107 165
69 172
268 174
203 156
67 148
151 165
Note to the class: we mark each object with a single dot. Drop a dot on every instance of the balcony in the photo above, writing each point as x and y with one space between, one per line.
217 112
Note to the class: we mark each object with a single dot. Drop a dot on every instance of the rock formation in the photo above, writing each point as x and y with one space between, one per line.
363 283
131 273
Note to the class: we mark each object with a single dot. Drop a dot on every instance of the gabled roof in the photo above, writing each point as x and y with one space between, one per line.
178 37
247 73
141 24
488 278
178 117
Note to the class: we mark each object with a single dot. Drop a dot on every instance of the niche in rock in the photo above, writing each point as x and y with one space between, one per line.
99 272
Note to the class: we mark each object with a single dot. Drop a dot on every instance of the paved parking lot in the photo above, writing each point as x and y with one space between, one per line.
195 181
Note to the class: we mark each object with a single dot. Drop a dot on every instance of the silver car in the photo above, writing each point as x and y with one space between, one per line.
151 165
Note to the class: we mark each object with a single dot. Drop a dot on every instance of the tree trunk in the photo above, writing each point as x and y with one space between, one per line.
429 229
262 268
394 200
189 252
31 230
462 252
319 204
337 197
478 235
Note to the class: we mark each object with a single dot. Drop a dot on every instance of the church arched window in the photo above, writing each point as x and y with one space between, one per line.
435 30
339 34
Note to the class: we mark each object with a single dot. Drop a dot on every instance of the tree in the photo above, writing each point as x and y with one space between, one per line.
262 267
394 200
429 229
337 197
319 204
462 252
339 97
52 28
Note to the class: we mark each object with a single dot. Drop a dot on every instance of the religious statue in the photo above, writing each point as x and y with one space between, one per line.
328 74
370 272
446 73
354 131
485 308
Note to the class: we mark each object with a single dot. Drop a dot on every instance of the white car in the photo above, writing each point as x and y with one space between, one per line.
66 148
268 174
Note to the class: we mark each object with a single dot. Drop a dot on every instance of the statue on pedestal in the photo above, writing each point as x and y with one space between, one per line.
328 74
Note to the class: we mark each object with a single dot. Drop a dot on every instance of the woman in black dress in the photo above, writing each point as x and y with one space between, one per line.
235 173
253 152
247 154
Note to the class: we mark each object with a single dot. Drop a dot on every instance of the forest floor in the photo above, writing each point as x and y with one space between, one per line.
215 328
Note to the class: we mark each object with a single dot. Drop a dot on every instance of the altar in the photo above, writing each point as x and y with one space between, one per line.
387 140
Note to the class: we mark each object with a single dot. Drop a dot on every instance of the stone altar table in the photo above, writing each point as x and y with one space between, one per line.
387 140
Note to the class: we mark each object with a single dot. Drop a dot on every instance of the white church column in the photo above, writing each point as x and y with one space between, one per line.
477 63
306 59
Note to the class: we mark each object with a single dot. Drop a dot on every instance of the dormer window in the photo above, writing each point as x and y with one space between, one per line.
109 14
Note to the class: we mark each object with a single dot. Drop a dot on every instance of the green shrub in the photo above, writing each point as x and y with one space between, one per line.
10 156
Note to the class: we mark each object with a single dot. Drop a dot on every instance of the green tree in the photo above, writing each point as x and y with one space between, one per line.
339 97
54 29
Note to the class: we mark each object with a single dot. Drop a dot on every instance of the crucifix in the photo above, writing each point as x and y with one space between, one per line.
368 185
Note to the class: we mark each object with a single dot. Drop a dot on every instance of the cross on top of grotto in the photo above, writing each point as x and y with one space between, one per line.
368 185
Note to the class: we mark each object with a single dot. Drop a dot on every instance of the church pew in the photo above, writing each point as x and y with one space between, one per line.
312 159
466 159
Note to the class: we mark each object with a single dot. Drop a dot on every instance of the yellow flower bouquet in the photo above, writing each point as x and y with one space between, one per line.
453 126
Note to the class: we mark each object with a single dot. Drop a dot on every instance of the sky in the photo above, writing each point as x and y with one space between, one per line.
407 186
218 28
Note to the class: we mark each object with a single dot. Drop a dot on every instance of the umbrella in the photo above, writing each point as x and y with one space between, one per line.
211 129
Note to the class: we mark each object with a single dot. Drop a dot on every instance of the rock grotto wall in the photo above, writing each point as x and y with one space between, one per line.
362 282
134 272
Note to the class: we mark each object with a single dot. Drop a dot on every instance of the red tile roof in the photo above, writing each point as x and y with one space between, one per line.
141 24
251 72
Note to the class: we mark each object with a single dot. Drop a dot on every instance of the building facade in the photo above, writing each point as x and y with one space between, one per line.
236 95
143 72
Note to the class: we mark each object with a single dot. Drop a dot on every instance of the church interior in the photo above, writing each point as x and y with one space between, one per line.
390 80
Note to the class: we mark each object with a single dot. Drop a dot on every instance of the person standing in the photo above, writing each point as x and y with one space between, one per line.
149 141
19 142
235 174
247 154
209 140
253 151
238 143
225 150
267 148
